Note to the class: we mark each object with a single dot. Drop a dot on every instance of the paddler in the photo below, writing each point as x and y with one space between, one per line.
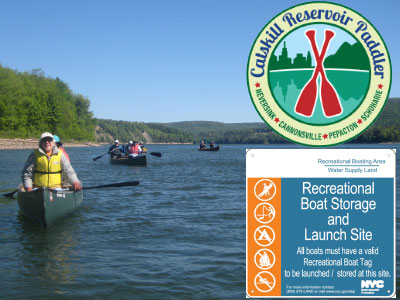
116 150
47 165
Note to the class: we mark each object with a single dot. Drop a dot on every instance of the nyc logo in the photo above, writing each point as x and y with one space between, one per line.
319 74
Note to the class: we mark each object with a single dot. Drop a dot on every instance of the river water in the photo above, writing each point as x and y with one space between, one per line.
180 234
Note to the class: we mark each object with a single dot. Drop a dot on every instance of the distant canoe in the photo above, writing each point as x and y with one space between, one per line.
210 149
46 206
139 160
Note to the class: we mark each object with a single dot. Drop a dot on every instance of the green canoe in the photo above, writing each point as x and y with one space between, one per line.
139 160
47 206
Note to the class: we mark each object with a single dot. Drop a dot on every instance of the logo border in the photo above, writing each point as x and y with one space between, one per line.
384 100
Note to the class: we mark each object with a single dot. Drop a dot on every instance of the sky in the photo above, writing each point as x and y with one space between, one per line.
158 61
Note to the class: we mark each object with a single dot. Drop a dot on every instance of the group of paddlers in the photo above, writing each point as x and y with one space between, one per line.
131 150
203 145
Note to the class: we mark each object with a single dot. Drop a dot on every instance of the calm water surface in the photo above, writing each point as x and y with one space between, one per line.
180 234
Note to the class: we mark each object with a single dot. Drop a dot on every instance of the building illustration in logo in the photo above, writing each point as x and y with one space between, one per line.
320 80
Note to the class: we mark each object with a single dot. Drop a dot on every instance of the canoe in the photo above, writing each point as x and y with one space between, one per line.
47 206
210 149
139 160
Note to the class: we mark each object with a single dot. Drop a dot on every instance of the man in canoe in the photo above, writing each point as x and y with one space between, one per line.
202 145
47 166
116 150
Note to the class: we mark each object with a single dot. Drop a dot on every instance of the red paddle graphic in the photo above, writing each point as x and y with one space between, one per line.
307 99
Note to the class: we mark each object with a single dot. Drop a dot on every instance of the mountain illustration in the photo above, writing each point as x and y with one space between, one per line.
348 57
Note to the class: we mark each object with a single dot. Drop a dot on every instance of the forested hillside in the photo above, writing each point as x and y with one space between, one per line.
229 133
107 130
385 129
31 103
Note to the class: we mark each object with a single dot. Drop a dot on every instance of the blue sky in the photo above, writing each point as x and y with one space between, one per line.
158 61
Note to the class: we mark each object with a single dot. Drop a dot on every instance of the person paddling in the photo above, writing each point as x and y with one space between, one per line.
46 167
116 150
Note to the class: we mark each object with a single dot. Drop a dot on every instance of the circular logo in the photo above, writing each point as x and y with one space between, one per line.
319 74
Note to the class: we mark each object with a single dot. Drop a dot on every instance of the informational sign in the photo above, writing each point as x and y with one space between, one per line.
320 223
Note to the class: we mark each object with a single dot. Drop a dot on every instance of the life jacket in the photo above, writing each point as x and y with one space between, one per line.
48 171
134 149
65 152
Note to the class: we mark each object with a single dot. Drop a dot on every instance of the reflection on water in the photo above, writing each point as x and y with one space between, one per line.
350 86
56 244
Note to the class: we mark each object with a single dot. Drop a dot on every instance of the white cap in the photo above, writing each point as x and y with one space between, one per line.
116 141
46 134
130 142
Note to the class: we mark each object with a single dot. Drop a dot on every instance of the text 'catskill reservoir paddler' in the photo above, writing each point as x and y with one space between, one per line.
272 34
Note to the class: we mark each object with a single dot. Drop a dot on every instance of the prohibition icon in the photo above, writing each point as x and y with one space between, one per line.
264 235
264 281
264 259
308 96
264 213
265 189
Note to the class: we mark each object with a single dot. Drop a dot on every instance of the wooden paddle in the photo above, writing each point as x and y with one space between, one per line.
158 154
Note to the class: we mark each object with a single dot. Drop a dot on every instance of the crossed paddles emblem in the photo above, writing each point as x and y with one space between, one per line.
306 102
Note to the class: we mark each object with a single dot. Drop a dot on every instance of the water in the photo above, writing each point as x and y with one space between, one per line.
287 86
180 234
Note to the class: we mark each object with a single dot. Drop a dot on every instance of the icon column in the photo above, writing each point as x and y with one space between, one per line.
263 214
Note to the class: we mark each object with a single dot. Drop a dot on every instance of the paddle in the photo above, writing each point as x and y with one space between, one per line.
306 102
158 154
10 195
119 184
98 157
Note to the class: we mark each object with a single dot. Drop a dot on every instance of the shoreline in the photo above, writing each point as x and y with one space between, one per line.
14 144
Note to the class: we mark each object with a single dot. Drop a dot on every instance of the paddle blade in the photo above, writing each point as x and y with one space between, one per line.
100 156
10 195
308 97
158 154
330 99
